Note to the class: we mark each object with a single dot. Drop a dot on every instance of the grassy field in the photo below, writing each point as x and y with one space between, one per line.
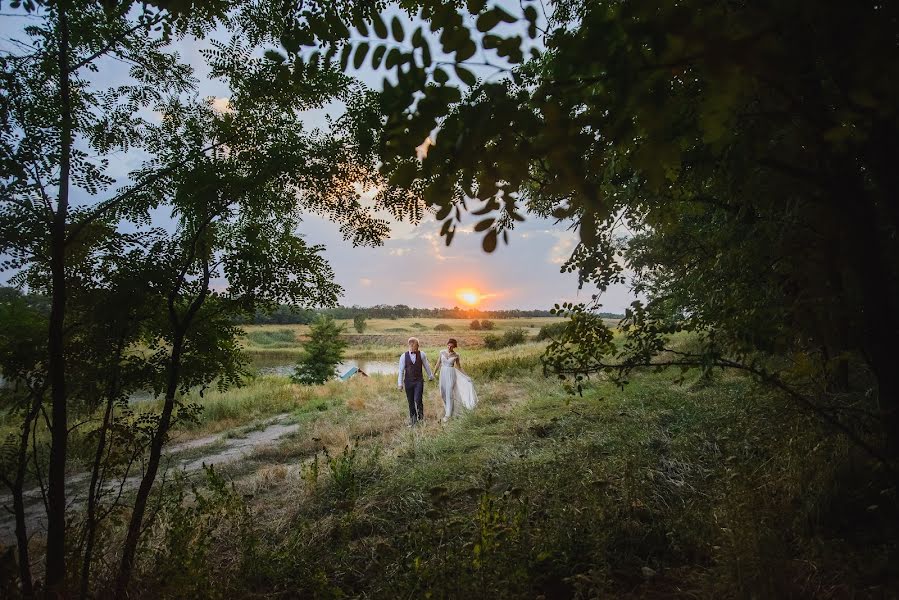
383 338
703 489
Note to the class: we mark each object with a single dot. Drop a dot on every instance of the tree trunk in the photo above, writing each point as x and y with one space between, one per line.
126 565
93 492
56 493
19 501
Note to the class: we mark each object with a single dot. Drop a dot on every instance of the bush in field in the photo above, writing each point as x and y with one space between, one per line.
279 338
488 325
359 323
321 354
511 337
551 331
475 325
442 327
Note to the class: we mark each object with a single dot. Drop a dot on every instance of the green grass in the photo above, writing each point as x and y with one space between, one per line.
280 338
660 489
657 490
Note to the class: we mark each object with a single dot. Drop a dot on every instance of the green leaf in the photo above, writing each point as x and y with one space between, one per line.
440 76
275 56
329 55
465 75
404 174
359 56
466 51
484 224
393 58
337 26
488 20
476 6
377 56
345 57
359 22
491 41
504 16
378 24
489 241
397 29
291 41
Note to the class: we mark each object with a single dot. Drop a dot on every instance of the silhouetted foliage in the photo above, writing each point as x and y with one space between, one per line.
235 179
748 153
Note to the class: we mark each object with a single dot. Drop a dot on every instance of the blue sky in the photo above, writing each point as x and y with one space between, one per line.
414 267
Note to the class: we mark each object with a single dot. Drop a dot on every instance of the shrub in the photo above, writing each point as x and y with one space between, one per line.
488 325
551 331
475 325
321 354
359 323
442 327
511 337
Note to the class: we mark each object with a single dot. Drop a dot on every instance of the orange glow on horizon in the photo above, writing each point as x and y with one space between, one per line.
469 296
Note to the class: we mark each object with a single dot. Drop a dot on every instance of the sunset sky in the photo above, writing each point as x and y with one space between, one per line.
414 267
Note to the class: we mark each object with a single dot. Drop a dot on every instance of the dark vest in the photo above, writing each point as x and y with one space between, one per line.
412 373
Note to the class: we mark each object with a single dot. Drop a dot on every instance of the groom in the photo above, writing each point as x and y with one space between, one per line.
410 377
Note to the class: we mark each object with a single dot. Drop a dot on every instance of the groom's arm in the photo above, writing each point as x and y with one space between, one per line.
399 377
427 366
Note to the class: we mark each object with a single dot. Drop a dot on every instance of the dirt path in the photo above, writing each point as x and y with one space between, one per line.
235 447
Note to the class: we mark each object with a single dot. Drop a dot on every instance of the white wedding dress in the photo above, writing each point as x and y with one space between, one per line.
454 384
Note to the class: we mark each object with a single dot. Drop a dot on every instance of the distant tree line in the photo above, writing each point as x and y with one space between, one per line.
285 314
289 315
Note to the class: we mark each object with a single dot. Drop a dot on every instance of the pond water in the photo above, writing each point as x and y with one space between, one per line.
279 367
371 367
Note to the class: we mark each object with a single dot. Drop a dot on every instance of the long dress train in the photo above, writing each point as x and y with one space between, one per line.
455 386
464 390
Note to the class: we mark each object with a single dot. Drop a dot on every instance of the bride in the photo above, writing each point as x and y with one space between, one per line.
454 383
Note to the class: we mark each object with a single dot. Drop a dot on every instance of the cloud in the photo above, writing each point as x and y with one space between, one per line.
365 282
398 251
221 105
435 245
561 250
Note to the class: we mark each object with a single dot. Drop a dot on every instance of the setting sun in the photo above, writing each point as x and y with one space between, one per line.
469 296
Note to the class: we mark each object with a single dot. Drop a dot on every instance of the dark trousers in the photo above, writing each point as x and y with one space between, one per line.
414 392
